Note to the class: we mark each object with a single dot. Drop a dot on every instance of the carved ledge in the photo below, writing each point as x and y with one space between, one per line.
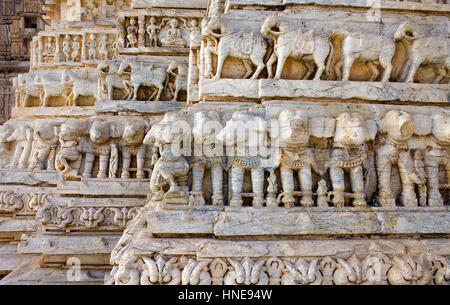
27 177
98 187
294 89
137 106
51 112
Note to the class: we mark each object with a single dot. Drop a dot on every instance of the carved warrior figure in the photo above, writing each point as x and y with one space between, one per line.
247 154
399 127
132 145
68 159
170 166
369 48
349 154
180 78
425 49
248 46
296 157
292 42
45 143
438 154
206 127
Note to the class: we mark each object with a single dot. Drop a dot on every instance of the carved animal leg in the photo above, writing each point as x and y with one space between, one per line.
281 61
432 168
167 175
217 180
46 99
374 72
384 181
337 180
136 90
40 160
320 67
175 95
153 179
273 58
305 179
104 159
25 155
259 63
348 63
88 165
258 186
220 60
248 67
441 72
198 170
140 159
237 177
287 181
309 69
17 154
126 157
415 64
160 89
385 62
357 182
409 197
110 92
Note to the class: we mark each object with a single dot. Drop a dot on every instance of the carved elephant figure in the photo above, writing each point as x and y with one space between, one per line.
68 158
248 46
400 127
349 154
296 156
45 143
292 42
245 135
132 145
369 48
169 163
207 155
438 154
99 145
23 138
425 49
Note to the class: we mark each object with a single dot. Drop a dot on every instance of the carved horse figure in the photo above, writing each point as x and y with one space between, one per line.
248 46
112 80
424 49
151 77
366 47
291 42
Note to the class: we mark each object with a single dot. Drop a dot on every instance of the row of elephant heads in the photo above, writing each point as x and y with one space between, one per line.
355 156
316 49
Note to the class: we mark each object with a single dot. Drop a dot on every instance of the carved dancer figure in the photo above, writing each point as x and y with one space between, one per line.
180 78
248 46
45 143
296 157
349 154
132 145
67 47
174 37
23 137
400 128
245 135
206 127
92 47
171 165
152 31
132 31
68 159
103 47
76 48
368 48
438 154
425 49
291 42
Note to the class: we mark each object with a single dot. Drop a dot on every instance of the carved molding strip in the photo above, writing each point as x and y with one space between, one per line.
13 202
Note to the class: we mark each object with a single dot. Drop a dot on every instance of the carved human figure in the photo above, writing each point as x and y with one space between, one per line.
5 133
208 155
180 78
97 145
169 162
244 135
292 42
76 48
132 31
49 49
174 37
349 154
23 137
67 47
296 156
132 145
399 126
250 47
68 158
152 31
425 49
92 47
437 155
45 143
103 47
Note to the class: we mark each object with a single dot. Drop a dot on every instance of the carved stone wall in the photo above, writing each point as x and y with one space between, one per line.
231 142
